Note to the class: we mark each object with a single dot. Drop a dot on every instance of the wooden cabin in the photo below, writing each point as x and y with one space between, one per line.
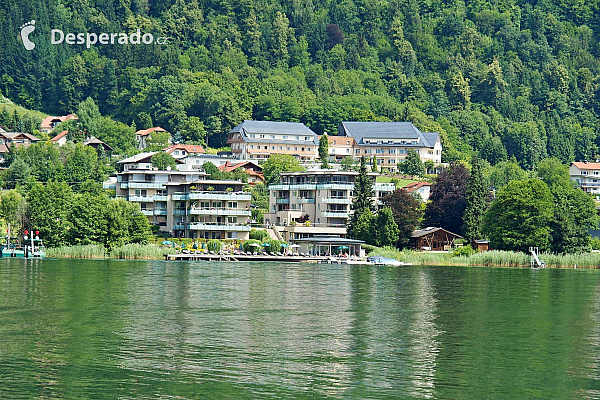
433 239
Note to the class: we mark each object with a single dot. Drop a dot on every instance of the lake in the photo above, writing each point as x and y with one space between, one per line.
156 329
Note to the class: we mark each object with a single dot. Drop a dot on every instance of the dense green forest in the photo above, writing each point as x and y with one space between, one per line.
500 78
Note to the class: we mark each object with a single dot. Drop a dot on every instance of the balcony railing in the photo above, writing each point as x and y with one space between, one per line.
281 186
306 200
336 186
179 226
142 185
215 226
179 211
141 199
160 211
283 200
160 197
335 214
219 211
147 212
338 200
109 185
237 196
303 186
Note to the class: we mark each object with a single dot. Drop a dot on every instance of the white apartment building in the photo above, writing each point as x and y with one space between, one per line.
389 142
322 197
185 203
257 140
587 176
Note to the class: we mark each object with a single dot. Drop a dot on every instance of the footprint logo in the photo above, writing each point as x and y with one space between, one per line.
26 29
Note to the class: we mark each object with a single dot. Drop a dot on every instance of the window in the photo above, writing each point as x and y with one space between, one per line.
251 146
232 220
280 147
288 148
347 142
296 148
272 136
205 204
262 136
297 137
333 142
232 204
266 147
303 149
272 147
284 137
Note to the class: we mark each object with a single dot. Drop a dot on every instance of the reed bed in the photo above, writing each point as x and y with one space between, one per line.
494 258
77 251
135 251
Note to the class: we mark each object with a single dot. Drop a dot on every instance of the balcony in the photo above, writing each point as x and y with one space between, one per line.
335 214
141 199
180 196
109 185
237 196
160 211
160 197
214 226
283 200
303 186
338 200
219 211
142 185
385 187
306 200
147 212
179 226
279 187
336 186
179 211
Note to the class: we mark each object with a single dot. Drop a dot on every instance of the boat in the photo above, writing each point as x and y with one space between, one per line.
379 260
32 247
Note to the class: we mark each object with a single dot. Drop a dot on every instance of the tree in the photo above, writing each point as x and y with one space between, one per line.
363 228
374 167
362 202
447 201
347 163
278 163
51 218
387 233
158 141
504 172
519 216
476 201
324 150
163 161
13 208
574 210
407 211
413 165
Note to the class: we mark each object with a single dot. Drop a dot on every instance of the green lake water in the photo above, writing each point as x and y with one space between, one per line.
136 329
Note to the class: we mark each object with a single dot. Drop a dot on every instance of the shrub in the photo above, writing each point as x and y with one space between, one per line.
258 234
464 251
249 248
275 246
214 245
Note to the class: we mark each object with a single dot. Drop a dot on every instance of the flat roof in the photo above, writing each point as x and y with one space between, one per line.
329 239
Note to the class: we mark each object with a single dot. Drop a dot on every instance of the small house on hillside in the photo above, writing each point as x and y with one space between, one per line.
50 122
179 151
433 239
60 139
18 139
252 169
481 245
97 143
423 189
143 135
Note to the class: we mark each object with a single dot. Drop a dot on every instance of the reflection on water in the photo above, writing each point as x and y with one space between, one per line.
123 329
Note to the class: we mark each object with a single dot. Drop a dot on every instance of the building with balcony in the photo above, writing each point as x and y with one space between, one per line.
185 203
389 142
257 140
144 135
587 176
316 202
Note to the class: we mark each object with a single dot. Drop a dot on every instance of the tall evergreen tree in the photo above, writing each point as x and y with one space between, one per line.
476 201
362 200
387 231
324 150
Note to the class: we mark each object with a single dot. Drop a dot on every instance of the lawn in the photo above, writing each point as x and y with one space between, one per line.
401 182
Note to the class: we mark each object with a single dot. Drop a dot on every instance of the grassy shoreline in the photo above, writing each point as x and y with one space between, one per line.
130 251
492 258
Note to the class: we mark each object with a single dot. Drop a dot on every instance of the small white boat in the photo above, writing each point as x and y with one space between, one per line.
387 261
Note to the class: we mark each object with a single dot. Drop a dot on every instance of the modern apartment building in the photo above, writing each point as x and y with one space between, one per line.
257 140
587 176
185 203
321 197
389 142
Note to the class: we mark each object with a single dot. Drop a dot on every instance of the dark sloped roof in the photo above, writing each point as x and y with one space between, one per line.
387 130
429 230
329 239
289 128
